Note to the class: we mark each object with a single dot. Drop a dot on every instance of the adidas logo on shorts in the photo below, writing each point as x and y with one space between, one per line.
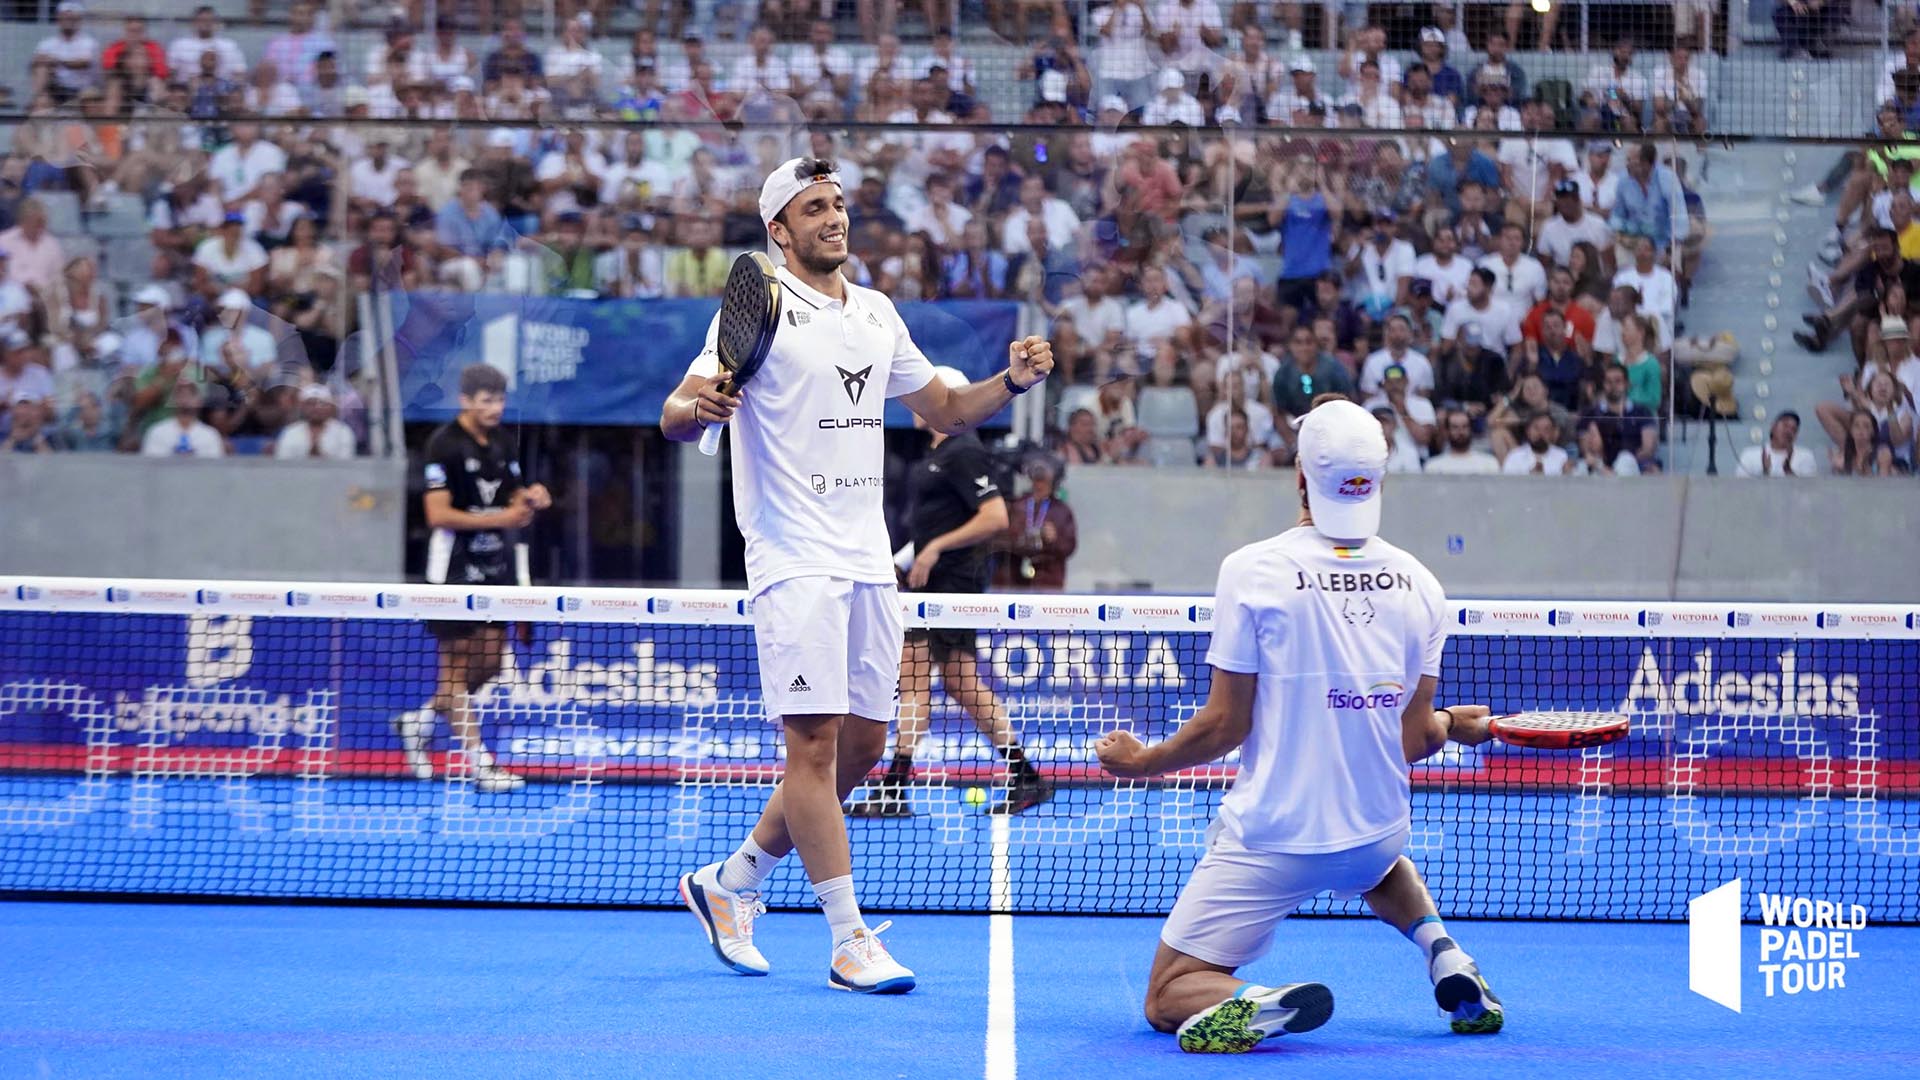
798 686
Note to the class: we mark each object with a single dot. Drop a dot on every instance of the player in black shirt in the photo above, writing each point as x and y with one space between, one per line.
475 495
957 510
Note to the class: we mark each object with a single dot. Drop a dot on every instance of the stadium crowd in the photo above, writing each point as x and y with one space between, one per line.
1209 254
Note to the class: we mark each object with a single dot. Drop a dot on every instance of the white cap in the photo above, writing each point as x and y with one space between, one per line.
156 295
316 392
1303 62
1343 452
785 182
105 345
1226 114
1171 79
1114 102
1432 33
235 300
952 376
1053 86
70 7
460 84
501 139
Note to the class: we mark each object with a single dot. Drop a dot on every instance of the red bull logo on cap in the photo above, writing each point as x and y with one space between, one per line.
1355 487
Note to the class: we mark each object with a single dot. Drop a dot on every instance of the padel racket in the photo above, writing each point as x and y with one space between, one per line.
749 315
1559 730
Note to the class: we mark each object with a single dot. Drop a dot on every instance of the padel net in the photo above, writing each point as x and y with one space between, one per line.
239 739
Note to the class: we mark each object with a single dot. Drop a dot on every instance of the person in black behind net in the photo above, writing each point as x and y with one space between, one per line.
957 512
474 496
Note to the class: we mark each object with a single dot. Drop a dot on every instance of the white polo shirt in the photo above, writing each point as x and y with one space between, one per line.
1339 638
1448 282
1419 370
809 442
1521 285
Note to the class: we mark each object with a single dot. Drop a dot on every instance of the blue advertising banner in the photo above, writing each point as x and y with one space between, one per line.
249 741
614 362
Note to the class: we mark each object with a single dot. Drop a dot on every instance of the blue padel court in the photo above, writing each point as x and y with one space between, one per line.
104 991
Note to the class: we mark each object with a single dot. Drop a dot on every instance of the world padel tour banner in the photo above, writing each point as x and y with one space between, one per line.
1780 742
615 361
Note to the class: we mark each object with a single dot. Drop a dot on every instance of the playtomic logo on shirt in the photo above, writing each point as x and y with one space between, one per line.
1381 695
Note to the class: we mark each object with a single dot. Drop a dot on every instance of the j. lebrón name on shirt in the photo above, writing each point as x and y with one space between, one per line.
1352 581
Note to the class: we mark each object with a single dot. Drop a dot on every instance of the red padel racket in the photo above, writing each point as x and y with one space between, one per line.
1559 730
749 315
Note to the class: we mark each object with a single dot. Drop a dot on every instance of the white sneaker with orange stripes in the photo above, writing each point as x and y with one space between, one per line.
861 964
727 917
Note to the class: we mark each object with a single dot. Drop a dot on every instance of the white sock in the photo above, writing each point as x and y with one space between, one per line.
843 911
1425 931
1444 956
747 869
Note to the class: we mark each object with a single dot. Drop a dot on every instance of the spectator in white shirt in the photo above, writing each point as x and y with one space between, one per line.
1537 456
267 94
959 69
761 69
1173 105
1781 455
1599 184
1614 92
887 57
1098 314
238 166
1124 62
443 61
1301 96
1571 224
184 434
1412 415
1591 460
1374 95
236 347
1478 321
370 179
1680 94
1244 392
1655 284
68 61
633 268
1532 164
1519 281
1191 34
1061 222
1398 353
1444 269
1492 93
821 69
318 433
1155 317
1370 44
1460 458
183 53
635 181
229 258
941 218
1385 264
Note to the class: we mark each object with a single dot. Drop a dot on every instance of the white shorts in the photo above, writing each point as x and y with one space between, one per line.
1227 913
828 647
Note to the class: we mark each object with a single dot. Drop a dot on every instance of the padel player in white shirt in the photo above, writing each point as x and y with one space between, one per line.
1326 649
808 452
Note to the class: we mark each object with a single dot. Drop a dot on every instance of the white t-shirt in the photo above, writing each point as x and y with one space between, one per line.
947 235
1666 86
1184 109
1149 326
1658 295
750 75
1598 195
237 171
1419 371
232 269
369 181
183 57
296 441
1521 460
1124 54
1521 285
646 181
1382 273
1496 327
810 71
1061 222
1803 463
809 438
1096 319
1259 423
1186 21
1339 638
66 50
1471 463
1530 160
1558 236
1449 282
168 439
1421 410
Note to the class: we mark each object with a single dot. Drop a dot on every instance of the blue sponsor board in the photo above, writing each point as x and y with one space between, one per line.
615 361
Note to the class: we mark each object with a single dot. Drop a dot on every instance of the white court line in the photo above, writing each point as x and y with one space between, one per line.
1000 1046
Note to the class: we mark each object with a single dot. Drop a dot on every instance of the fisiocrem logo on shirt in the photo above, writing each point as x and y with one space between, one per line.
1381 695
